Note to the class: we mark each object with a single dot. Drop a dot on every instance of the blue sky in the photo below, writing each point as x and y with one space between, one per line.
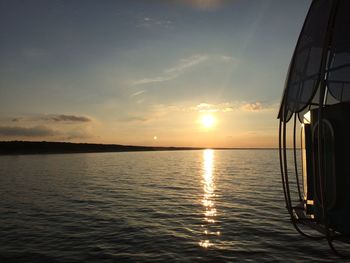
127 71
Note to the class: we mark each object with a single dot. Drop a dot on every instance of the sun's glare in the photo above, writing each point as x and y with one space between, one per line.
208 121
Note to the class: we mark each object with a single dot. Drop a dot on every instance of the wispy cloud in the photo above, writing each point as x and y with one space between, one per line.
206 5
219 107
226 58
187 63
137 93
66 118
55 126
17 119
206 107
134 118
154 79
36 131
255 106
233 106
62 118
148 22
44 131
174 72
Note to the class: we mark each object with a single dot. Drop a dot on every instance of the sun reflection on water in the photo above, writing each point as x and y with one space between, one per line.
208 198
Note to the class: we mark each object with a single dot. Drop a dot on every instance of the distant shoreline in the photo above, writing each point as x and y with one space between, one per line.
43 147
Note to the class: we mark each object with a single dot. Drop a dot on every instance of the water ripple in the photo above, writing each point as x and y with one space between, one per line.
148 206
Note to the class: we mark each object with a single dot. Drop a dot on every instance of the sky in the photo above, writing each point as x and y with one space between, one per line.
202 73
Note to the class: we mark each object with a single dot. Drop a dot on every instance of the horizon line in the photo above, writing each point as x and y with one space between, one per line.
148 146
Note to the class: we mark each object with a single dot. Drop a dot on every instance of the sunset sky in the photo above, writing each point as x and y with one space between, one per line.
146 72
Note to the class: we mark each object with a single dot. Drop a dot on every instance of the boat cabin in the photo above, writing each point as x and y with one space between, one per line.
314 128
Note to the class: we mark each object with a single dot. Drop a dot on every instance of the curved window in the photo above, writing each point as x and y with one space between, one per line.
304 73
338 79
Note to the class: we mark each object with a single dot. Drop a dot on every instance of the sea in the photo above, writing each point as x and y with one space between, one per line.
166 206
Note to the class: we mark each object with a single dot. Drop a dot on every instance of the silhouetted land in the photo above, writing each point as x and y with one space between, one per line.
27 147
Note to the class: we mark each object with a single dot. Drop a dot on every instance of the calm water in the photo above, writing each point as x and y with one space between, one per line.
188 206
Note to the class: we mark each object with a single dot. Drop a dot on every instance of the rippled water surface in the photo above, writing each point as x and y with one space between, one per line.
188 206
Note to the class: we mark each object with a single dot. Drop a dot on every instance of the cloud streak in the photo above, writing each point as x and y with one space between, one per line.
36 131
66 118
233 106
42 131
62 118
187 63
174 72
148 22
253 107
205 5
137 93
206 107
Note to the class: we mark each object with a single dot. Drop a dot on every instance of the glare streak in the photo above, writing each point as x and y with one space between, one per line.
210 211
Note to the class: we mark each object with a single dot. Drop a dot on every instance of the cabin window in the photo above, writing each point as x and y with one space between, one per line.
325 186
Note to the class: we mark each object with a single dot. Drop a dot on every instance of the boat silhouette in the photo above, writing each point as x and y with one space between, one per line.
317 95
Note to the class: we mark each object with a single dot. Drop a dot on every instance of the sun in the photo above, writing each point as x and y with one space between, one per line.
208 121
